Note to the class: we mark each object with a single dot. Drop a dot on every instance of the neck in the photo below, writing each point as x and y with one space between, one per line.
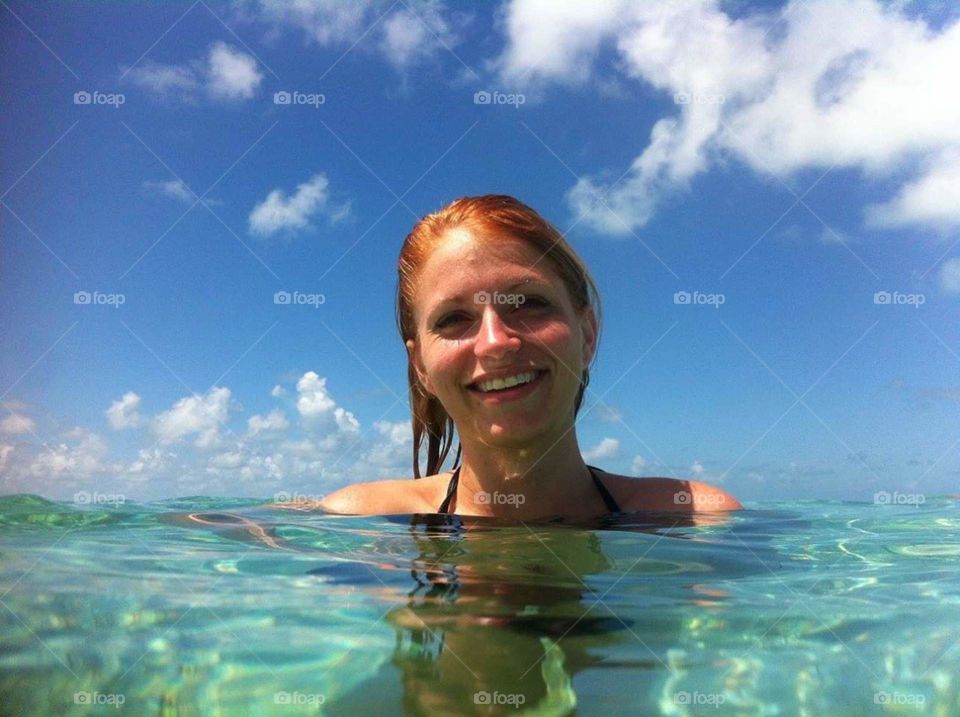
524 483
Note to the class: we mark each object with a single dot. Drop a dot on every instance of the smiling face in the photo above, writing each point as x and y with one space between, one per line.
494 308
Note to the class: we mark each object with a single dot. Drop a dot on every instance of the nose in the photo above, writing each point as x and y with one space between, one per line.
495 338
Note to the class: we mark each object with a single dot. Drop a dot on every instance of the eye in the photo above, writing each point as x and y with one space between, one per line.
451 319
531 301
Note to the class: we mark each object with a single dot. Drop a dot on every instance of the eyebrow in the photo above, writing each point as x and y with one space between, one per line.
460 298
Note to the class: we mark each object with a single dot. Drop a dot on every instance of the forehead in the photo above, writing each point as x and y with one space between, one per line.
462 257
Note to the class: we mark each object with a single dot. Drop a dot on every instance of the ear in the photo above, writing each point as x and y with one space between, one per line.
589 329
415 360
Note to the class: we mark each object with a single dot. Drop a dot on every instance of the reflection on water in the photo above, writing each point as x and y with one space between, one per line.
200 607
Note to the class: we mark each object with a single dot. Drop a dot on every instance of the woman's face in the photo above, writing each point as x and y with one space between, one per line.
498 310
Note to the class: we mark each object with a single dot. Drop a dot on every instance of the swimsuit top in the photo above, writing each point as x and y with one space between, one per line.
604 493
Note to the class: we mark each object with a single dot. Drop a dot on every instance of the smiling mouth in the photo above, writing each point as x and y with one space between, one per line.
503 385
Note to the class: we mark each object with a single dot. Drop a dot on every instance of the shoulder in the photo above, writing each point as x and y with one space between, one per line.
383 497
672 495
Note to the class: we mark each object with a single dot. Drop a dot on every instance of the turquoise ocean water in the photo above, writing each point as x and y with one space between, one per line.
230 607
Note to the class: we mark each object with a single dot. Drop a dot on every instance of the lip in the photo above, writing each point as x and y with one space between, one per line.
510 394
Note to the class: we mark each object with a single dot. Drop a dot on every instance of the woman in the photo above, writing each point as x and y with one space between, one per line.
499 317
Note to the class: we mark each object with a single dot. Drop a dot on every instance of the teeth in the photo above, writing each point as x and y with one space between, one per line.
500 383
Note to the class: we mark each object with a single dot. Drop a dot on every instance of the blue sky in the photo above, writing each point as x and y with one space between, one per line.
779 163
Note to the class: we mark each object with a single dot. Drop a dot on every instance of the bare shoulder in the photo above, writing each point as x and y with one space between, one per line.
673 495
382 497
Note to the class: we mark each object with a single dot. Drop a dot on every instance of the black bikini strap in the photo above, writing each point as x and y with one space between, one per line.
451 491
612 505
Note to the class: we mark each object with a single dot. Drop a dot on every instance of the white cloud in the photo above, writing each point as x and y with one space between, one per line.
174 188
607 448
123 413
81 459
15 424
412 32
278 391
226 73
195 415
933 198
231 73
279 212
638 464
151 461
164 80
273 422
314 398
346 421
950 276
697 469
851 84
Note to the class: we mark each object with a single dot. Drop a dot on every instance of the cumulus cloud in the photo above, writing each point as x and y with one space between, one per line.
410 33
278 391
123 413
226 73
231 73
607 448
638 464
313 399
279 212
315 402
854 84
174 189
199 416
274 422
80 456
950 276
15 424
